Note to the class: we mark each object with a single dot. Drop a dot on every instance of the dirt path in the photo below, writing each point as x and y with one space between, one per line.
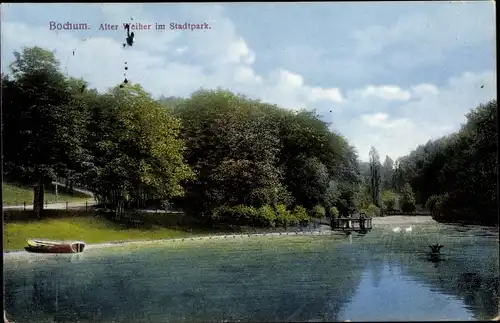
54 206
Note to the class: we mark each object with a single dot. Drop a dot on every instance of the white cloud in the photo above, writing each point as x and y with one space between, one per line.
165 63
290 80
435 112
181 50
318 94
245 74
238 52
375 120
386 92
393 115
415 37
422 90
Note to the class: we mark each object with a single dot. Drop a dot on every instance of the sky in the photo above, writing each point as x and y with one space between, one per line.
390 75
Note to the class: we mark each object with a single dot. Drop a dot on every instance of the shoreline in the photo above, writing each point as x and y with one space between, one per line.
382 221
17 254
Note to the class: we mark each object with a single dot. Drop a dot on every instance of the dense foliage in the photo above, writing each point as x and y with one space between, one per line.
220 156
456 176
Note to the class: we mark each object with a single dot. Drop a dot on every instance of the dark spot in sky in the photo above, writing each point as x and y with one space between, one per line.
129 40
482 86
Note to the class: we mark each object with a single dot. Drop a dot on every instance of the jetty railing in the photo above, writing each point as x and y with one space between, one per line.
352 223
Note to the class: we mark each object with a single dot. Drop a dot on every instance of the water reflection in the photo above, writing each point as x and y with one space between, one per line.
363 277
398 297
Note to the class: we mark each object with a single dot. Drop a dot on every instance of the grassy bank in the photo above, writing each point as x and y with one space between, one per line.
88 228
14 194
97 227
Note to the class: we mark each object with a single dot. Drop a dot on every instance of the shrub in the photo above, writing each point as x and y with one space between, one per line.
431 202
372 210
236 214
318 211
266 216
283 216
388 200
300 214
408 207
334 212
363 197
292 220
390 205
442 205
222 213
407 200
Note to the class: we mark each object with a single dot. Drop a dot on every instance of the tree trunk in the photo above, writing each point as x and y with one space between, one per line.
41 197
38 195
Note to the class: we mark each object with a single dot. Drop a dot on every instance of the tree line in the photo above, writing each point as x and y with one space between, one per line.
456 176
217 155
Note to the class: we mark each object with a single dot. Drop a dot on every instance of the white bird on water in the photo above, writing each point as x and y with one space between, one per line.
408 229
396 229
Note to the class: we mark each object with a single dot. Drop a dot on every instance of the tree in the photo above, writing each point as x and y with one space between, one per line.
407 199
399 177
387 174
210 151
248 152
389 200
460 169
375 176
308 180
332 195
137 149
40 122
234 149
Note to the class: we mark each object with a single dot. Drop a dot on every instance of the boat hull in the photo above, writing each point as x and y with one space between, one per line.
46 246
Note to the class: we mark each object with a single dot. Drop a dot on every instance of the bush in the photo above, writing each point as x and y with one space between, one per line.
318 211
390 205
240 214
389 200
441 205
372 210
334 212
300 214
363 197
431 202
283 216
407 200
292 220
408 207
266 216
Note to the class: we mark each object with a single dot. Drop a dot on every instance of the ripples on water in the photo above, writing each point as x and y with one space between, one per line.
378 276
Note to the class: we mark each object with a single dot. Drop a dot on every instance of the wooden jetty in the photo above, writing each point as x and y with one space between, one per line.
352 224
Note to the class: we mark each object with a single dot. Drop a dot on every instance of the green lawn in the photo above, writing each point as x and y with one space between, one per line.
90 229
15 195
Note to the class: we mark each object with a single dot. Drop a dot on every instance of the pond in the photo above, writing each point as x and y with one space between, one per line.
379 276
